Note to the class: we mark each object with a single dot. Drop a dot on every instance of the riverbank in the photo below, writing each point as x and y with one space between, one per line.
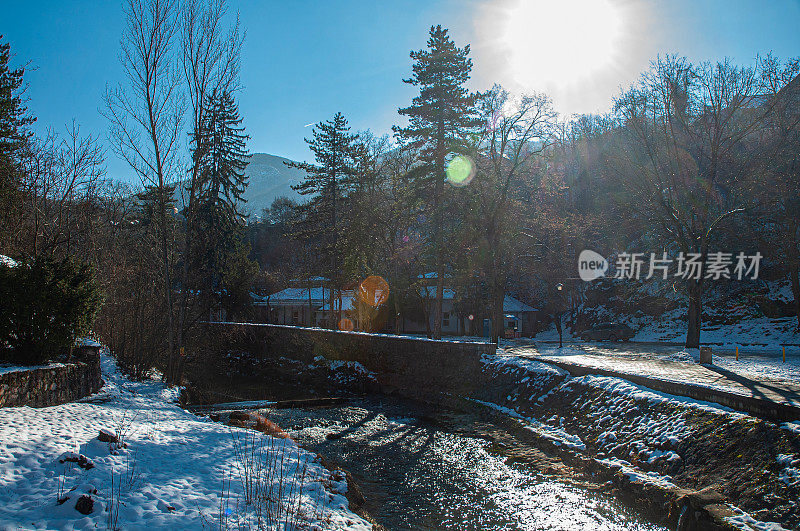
741 469
423 467
155 466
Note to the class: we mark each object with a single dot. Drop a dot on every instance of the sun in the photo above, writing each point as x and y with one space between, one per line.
557 43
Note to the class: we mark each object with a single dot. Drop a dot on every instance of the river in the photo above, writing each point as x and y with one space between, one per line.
421 468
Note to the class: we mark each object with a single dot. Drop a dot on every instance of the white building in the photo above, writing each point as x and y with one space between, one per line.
310 306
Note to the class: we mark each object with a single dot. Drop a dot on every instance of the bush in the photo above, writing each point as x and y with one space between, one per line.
45 305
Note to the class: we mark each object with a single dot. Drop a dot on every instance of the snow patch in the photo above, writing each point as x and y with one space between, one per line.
169 467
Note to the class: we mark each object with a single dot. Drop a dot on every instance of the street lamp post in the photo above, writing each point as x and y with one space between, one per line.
559 289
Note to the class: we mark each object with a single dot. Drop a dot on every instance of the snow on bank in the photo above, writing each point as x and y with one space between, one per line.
628 428
745 522
623 388
169 474
507 362
5 368
553 434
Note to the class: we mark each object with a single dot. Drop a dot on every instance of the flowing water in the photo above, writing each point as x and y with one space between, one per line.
420 468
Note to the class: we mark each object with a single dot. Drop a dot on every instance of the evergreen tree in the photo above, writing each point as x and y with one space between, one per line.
222 157
47 305
14 135
439 119
151 199
327 181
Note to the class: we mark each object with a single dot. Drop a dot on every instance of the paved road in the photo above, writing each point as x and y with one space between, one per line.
754 375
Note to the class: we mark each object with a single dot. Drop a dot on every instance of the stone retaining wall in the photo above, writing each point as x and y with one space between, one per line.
415 366
50 386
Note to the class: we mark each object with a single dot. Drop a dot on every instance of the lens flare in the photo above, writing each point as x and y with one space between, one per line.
460 170
373 291
346 325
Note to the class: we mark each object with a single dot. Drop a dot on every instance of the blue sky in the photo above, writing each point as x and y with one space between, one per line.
304 60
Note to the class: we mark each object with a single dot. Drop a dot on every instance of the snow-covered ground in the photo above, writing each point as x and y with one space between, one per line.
750 364
733 315
172 469
759 334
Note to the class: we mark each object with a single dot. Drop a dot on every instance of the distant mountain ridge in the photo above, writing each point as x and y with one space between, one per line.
268 178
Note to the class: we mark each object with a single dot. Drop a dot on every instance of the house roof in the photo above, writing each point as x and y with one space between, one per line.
301 295
512 305
431 275
292 295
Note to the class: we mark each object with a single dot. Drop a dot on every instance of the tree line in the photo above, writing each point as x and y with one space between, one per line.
494 193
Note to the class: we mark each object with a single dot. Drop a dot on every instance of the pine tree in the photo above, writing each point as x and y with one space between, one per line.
328 182
439 118
222 157
14 135
151 199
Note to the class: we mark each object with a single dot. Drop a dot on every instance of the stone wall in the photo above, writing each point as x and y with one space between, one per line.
50 386
415 366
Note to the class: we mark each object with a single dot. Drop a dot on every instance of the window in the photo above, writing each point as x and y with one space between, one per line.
445 319
295 317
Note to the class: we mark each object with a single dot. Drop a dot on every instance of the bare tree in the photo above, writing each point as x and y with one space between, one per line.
516 131
59 174
681 130
146 115
774 192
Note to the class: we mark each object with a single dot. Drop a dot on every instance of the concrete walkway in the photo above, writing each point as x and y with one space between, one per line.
776 399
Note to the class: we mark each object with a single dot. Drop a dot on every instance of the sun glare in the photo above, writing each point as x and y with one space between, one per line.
561 42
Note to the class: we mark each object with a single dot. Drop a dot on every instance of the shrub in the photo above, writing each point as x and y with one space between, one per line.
45 305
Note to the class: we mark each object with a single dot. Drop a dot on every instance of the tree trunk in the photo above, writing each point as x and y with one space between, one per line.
331 297
498 294
187 239
168 298
427 316
310 306
794 280
339 309
437 308
695 290
396 314
437 232
557 321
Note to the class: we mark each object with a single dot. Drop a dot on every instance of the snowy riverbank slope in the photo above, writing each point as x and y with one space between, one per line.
172 469
667 441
